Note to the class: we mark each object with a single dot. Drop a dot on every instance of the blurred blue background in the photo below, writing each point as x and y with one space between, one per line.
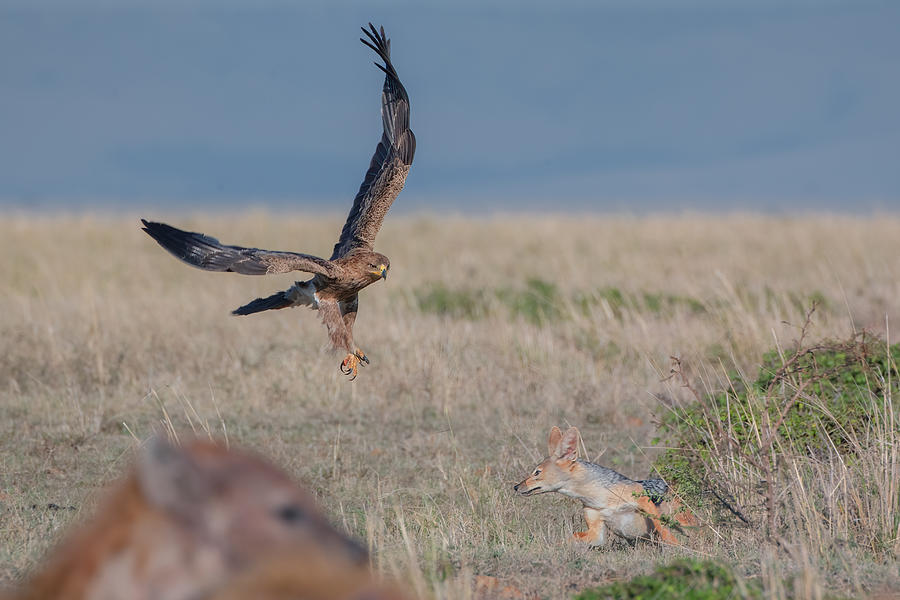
607 105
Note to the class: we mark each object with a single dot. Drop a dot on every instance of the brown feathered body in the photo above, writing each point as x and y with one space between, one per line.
183 523
335 297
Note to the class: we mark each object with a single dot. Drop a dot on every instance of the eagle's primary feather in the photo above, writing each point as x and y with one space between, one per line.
391 161
210 254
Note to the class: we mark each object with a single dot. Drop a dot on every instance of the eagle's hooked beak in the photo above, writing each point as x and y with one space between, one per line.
381 272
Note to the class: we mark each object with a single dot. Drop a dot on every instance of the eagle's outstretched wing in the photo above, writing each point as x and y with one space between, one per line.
208 253
390 164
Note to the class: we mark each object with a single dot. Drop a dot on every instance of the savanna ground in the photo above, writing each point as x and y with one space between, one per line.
486 333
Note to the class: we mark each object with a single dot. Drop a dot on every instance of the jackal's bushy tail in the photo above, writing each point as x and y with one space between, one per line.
655 488
273 302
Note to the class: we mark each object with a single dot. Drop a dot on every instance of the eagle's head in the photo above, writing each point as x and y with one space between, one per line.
377 265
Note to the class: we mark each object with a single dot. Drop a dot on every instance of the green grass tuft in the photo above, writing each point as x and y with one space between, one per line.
682 580
439 299
539 303
542 302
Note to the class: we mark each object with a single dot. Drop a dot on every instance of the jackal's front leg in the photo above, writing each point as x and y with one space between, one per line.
597 534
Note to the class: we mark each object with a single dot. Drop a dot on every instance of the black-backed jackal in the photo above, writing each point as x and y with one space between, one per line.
612 502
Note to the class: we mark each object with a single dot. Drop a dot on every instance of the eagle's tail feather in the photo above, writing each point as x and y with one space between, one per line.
273 302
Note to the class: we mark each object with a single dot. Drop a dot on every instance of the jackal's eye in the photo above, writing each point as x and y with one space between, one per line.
290 513
536 473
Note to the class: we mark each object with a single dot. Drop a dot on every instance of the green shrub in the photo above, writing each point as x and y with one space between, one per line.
681 580
816 401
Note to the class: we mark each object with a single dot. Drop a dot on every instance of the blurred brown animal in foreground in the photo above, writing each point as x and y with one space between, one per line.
186 522
319 579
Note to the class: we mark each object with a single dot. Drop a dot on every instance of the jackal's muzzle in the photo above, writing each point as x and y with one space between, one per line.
522 488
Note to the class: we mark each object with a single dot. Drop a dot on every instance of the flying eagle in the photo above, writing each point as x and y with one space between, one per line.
353 264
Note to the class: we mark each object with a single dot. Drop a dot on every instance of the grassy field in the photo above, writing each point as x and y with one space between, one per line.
486 333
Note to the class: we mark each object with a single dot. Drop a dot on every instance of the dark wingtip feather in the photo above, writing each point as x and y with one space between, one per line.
193 248
382 46
162 232
152 229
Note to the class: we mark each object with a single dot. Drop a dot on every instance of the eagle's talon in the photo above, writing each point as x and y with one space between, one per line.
349 366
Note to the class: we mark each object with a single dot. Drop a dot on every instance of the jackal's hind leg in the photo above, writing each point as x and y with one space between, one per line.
652 512
676 509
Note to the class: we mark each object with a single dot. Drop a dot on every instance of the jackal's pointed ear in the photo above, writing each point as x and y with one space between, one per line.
568 445
171 480
553 442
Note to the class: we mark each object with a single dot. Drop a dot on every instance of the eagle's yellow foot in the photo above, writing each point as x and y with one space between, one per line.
350 365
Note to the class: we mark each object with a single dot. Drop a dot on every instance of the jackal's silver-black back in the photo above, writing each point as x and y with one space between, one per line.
605 475
655 488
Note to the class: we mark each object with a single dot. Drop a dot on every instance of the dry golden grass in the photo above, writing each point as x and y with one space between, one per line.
102 335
